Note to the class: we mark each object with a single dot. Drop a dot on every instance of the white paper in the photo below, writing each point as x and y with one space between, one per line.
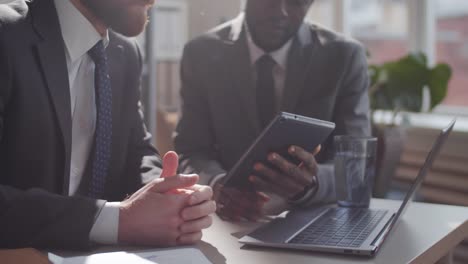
170 256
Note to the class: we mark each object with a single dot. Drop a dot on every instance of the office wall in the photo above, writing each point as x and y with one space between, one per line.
206 14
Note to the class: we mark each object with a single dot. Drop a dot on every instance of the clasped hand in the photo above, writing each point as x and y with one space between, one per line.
171 210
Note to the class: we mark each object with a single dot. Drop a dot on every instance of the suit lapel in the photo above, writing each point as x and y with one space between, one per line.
299 64
237 74
116 70
241 73
245 83
115 55
51 54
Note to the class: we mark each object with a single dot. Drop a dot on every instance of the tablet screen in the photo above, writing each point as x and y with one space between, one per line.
284 130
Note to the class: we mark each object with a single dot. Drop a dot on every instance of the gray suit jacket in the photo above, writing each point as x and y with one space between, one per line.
35 132
326 79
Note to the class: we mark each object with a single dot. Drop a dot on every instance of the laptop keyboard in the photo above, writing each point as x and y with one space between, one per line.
342 227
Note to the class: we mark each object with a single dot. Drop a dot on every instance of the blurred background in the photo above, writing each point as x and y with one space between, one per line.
390 30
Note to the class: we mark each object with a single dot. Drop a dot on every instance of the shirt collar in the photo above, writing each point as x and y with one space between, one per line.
78 33
280 56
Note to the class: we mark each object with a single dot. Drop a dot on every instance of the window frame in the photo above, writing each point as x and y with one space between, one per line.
421 37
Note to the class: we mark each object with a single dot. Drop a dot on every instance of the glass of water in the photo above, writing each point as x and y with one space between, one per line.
355 160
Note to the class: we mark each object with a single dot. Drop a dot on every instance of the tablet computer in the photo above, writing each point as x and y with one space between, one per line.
284 130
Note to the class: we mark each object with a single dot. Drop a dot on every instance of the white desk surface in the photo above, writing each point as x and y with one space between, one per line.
426 233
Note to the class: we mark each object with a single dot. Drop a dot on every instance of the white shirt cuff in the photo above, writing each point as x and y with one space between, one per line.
216 179
325 190
307 195
106 227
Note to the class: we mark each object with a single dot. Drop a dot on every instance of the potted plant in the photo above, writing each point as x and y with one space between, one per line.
398 86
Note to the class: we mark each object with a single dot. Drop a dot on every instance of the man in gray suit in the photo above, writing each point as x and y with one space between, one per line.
238 75
76 163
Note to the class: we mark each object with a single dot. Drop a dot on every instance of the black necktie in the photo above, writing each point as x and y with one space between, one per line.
103 134
266 102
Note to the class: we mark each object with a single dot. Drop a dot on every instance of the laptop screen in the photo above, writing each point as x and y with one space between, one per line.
440 141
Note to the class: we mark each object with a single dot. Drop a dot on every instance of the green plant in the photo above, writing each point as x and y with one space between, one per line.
398 85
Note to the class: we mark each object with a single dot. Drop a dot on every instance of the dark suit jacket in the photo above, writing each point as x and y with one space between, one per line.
326 79
35 131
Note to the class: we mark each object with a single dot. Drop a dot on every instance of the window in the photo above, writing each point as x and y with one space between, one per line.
382 26
170 33
452 47
322 12
206 14
171 29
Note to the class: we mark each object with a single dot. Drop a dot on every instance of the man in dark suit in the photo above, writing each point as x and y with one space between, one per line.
237 76
72 140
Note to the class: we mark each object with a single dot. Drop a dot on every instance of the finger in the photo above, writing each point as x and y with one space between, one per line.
191 238
218 189
264 185
196 225
174 182
226 203
263 196
170 164
307 158
292 170
145 188
317 150
198 211
234 204
276 181
241 197
201 193
235 212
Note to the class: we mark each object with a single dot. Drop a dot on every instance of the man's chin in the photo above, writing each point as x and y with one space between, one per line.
272 45
132 27
271 42
130 31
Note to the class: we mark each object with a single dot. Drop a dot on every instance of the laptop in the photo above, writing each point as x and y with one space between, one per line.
355 231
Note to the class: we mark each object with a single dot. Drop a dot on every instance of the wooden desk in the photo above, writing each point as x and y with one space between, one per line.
24 255
425 234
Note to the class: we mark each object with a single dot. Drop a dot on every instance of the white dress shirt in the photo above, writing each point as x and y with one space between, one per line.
280 56
80 36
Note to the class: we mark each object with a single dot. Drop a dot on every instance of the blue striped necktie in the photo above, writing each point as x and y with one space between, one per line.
103 134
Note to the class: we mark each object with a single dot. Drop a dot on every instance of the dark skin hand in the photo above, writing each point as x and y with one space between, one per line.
236 205
288 180
272 23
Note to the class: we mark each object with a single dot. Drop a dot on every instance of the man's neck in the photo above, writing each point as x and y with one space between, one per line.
100 27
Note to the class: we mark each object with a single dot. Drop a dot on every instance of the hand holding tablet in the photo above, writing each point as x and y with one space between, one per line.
281 160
